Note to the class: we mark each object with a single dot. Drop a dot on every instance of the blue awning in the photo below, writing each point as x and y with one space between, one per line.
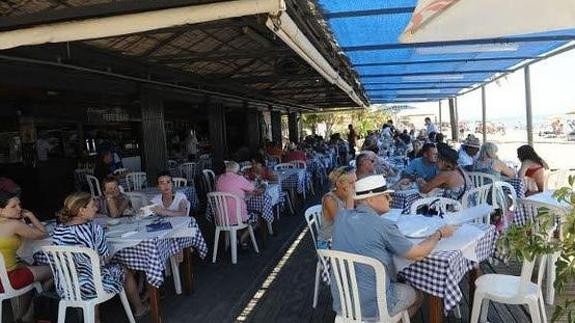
367 31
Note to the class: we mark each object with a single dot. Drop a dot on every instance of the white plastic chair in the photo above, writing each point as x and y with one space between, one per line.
209 180
136 181
120 171
218 203
80 180
476 196
9 291
556 179
62 261
188 171
172 163
344 265
312 217
179 182
479 179
506 198
441 203
245 168
510 289
283 166
138 200
94 185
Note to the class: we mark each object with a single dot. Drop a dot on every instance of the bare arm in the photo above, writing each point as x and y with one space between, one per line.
435 182
539 178
113 207
34 232
425 247
329 207
182 210
503 169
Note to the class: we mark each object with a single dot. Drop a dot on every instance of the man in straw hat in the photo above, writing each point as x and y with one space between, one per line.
468 152
366 231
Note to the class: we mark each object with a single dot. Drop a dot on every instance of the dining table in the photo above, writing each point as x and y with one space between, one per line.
139 244
188 191
293 179
440 273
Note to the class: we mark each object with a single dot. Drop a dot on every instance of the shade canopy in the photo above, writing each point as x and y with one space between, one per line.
368 33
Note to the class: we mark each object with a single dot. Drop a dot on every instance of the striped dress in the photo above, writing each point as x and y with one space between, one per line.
89 235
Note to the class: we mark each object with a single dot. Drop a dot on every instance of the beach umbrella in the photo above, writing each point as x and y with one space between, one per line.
447 20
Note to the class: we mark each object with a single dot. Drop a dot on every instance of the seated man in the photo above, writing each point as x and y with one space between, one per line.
368 163
423 166
468 152
365 231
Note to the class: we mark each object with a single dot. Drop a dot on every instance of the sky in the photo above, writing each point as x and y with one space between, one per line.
552 93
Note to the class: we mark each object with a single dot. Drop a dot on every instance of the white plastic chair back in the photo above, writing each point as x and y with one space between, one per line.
284 166
188 171
245 163
245 168
94 185
479 179
80 180
218 203
9 291
556 179
179 182
209 179
441 204
138 200
527 273
312 217
352 163
299 164
343 266
476 196
172 163
136 181
506 198
120 171
62 261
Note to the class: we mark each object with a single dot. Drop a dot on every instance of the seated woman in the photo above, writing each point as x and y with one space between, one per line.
259 171
12 230
452 178
113 203
340 197
168 202
76 228
488 162
532 169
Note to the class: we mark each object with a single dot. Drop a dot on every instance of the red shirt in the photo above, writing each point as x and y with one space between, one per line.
295 155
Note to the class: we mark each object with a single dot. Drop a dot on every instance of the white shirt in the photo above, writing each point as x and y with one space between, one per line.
464 158
431 127
175 206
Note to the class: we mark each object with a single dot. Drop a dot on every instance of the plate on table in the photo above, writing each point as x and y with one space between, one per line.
418 227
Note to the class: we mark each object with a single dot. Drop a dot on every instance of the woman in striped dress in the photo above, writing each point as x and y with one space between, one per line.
76 228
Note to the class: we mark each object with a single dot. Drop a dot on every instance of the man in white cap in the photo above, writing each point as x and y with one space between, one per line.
365 231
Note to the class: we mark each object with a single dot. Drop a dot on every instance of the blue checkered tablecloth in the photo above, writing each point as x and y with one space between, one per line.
189 192
404 199
518 184
440 272
151 255
293 178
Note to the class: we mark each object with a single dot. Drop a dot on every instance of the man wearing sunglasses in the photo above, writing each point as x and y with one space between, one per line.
366 231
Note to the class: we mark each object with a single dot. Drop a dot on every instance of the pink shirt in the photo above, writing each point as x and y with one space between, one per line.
237 185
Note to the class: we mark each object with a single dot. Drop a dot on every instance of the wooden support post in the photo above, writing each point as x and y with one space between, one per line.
276 128
293 127
453 120
484 114
253 129
153 134
528 107
217 116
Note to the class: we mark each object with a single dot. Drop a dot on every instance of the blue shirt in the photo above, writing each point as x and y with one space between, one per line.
362 231
421 169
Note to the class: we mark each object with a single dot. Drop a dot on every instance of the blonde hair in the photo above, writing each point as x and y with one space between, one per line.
488 150
72 205
338 173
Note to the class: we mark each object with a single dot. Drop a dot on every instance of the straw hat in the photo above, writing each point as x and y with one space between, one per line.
370 186
472 141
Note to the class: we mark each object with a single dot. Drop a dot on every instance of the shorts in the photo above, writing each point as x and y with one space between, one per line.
19 277
404 297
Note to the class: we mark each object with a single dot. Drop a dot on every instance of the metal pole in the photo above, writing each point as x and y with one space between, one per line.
484 114
453 120
439 116
528 111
